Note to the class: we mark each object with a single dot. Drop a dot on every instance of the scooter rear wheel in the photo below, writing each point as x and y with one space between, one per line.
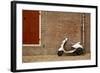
79 51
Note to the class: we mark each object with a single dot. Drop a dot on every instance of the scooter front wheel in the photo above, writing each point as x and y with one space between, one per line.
60 53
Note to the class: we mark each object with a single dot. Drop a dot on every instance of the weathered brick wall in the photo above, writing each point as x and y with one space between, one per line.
55 26
87 32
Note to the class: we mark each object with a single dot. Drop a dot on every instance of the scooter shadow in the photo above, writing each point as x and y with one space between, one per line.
73 54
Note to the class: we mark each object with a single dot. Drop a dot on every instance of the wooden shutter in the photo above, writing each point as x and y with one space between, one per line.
30 27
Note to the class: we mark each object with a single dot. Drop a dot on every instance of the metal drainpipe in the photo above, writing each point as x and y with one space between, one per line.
83 29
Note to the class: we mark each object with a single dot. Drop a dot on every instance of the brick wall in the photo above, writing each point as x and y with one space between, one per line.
55 26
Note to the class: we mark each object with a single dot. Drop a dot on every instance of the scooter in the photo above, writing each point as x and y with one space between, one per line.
77 49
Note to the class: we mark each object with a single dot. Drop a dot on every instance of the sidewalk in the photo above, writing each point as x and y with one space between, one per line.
43 58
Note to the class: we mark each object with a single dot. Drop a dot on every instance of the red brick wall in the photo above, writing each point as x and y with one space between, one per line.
55 26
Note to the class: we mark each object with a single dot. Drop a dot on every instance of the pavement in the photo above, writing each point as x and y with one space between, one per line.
43 58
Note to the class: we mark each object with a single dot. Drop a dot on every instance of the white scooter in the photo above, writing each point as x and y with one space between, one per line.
77 49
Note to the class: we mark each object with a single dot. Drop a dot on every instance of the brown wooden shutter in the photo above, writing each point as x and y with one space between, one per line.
30 27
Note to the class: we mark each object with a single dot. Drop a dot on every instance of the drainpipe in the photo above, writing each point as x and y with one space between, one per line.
83 29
